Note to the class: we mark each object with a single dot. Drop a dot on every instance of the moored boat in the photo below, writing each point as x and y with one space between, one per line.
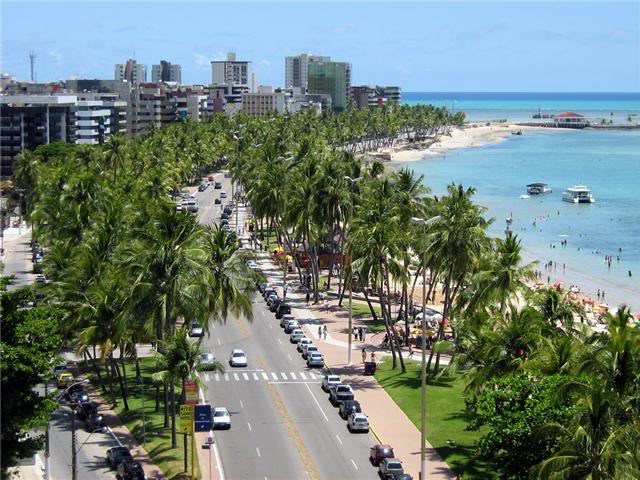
538 188
578 194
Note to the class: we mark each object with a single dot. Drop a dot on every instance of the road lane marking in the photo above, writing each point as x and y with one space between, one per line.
258 452
293 375
354 464
317 403
249 425
289 355
304 377
280 341
226 377
284 376
217 377
255 376
218 338
273 374
245 376
241 404
313 376
236 377
265 376
206 377
340 441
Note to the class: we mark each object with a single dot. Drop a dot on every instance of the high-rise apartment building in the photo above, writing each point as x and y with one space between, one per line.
166 72
366 96
263 102
331 78
233 72
131 71
296 69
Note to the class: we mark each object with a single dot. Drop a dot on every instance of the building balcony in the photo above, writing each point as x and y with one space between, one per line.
87 141
87 123
87 132
92 113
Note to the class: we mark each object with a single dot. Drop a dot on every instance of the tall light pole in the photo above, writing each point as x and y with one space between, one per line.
352 181
234 194
423 373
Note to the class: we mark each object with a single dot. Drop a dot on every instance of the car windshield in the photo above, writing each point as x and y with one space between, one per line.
219 413
394 465
238 354
361 419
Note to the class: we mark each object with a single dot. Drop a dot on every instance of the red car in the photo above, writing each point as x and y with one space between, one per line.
211 178
379 452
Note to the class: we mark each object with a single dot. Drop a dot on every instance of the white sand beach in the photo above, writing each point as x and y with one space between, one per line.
469 136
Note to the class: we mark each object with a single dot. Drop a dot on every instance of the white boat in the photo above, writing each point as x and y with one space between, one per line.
523 196
538 188
578 194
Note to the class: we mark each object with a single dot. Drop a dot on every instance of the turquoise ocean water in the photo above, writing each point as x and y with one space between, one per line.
608 161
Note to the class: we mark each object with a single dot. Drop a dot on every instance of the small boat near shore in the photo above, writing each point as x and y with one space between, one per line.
516 132
538 188
578 194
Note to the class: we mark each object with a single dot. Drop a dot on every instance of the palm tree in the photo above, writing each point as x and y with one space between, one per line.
556 308
116 153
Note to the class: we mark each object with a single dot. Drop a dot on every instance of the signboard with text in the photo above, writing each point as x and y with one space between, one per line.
202 417
191 392
185 425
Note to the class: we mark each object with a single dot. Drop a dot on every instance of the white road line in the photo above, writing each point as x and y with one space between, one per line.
241 404
284 376
249 425
339 441
313 376
292 381
270 326
226 377
236 377
280 341
206 377
354 464
245 376
218 338
218 461
318 404
255 376
265 376
217 377
289 355
258 452
304 377
273 374
293 375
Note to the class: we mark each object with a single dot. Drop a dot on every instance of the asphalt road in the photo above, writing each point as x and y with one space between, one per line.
283 425
18 260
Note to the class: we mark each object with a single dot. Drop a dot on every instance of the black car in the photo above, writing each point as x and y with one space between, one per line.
224 221
78 397
217 185
217 201
283 309
202 187
228 210
348 407
130 471
224 216
95 422
273 306
268 291
117 455
85 410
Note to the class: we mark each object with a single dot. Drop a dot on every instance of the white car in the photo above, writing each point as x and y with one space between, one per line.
196 330
358 422
286 318
221 418
308 350
330 380
207 358
252 264
315 359
303 342
238 358
296 335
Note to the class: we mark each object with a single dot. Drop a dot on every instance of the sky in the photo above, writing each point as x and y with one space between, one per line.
420 46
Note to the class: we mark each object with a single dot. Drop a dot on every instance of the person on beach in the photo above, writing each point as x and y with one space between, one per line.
410 350
602 294
364 356
319 332
373 357
307 297
598 294
324 332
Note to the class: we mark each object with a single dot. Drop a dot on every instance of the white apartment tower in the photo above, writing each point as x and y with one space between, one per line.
296 69
166 72
132 72
233 72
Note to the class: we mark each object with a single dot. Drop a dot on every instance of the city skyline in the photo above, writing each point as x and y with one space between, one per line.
420 47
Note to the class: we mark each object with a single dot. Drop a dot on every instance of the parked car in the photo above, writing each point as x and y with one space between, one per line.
202 187
78 397
252 264
302 343
263 286
348 407
238 358
221 418
191 205
291 325
41 279
397 476
223 194
95 422
390 466
228 210
130 470
275 303
309 350
283 309
268 291
59 369
196 330
316 359
224 216
272 298
379 452
207 358
285 319
117 455
217 201
211 178
224 222
296 335
340 393
329 381
64 379
358 422
85 410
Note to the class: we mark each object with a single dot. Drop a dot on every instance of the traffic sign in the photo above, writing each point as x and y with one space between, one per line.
202 417
191 392
185 425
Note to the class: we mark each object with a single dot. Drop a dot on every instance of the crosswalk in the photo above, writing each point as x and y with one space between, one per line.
259 376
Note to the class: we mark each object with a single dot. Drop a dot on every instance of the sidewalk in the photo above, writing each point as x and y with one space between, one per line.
388 422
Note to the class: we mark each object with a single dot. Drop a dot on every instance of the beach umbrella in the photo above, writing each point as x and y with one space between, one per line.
604 305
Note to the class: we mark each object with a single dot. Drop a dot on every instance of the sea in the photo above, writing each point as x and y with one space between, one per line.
576 238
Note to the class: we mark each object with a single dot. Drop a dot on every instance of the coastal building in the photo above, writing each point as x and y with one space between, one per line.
132 72
296 69
571 120
153 107
166 72
27 121
233 72
330 78
104 112
366 96
263 102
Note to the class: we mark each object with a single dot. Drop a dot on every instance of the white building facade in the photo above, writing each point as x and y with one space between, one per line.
233 72
131 71
296 69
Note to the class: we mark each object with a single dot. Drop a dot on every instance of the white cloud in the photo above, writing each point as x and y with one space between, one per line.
56 55
265 62
203 60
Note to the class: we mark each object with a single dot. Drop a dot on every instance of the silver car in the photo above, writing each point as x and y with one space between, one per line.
296 335
315 359
308 350
358 422
285 319
303 342
330 380
207 358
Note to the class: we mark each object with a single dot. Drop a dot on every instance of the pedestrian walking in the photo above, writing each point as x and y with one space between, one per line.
324 331
364 334
364 356
410 350
360 333
373 357
307 297
319 333
326 306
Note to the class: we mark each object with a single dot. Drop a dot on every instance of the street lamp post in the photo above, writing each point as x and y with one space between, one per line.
352 181
423 373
